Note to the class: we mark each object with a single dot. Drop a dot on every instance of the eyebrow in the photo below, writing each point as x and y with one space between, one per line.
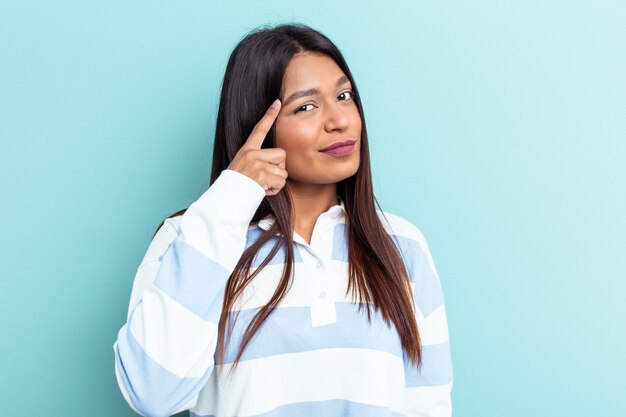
313 91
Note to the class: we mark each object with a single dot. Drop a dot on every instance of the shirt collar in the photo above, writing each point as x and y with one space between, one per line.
336 212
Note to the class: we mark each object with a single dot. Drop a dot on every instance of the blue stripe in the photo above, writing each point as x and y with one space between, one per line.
436 367
342 408
281 255
193 280
153 390
340 243
289 330
428 292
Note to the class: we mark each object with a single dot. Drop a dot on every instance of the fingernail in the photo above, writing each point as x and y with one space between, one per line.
275 103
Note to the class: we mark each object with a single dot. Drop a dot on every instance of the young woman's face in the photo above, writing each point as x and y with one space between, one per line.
313 120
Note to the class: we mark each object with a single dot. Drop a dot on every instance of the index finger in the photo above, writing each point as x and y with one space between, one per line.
258 134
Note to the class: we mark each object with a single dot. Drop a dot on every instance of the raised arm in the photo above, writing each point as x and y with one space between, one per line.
164 353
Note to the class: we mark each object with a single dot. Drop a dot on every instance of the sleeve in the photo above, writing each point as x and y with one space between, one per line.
428 388
164 352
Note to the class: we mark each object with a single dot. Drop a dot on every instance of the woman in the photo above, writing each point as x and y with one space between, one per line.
268 273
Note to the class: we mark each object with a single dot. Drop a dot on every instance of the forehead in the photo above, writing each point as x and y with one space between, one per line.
310 70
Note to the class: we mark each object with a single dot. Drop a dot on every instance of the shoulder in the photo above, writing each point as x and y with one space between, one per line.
174 221
410 240
165 235
398 226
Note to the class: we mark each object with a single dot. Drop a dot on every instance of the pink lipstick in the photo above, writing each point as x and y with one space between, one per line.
339 148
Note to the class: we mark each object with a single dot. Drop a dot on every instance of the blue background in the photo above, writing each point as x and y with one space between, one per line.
498 128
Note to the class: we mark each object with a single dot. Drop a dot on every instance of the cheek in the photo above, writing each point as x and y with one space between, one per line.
296 136
355 119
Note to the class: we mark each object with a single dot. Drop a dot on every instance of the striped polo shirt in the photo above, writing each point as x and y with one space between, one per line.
315 355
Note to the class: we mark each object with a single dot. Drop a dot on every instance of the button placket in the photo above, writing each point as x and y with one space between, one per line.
319 272
322 233
322 304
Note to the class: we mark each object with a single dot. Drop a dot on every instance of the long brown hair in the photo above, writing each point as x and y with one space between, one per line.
377 274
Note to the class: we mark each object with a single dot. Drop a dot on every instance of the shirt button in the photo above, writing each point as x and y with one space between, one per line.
324 238
322 294
318 264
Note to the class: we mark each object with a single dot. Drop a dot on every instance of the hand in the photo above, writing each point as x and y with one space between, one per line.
265 166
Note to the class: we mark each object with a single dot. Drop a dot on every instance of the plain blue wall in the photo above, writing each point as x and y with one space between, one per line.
496 127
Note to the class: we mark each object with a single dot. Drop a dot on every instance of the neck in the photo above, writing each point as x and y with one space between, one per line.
309 201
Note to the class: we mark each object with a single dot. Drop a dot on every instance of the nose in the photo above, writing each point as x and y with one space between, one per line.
336 118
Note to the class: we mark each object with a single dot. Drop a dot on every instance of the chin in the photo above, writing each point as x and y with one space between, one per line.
346 173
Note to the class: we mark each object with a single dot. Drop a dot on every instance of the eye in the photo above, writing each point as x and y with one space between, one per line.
350 92
299 109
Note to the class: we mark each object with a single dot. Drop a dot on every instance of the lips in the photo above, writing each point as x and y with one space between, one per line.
338 145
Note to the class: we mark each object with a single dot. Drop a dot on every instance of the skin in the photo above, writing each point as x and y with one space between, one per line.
306 125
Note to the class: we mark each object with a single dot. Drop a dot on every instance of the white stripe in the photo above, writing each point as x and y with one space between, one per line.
260 385
176 338
261 288
434 328
162 239
429 401
190 404
145 276
259 291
